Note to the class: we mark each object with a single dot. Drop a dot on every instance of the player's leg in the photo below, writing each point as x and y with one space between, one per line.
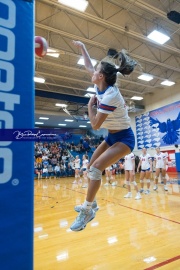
101 148
142 175
157 173
133 181
164 179
128 184
110 156
148 181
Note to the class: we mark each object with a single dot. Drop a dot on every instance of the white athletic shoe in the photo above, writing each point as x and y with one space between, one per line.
82 219
165 188
85 186
106 184
141 190
147 191
114 183
128 195
74 182
155 187
138 196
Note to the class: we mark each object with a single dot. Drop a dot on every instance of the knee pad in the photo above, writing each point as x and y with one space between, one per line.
107 178
94 174
156 178
148 181
141 181
127 183
134 183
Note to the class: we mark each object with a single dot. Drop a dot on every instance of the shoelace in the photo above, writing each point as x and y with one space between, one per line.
81 215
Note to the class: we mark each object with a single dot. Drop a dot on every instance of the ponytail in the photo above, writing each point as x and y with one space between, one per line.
127 64
108 65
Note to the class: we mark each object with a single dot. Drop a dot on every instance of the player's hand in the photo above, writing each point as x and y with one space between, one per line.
78 44
92 101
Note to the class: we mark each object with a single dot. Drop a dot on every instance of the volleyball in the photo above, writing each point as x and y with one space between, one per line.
41 46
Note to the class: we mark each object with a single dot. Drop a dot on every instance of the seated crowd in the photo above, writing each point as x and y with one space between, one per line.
54 159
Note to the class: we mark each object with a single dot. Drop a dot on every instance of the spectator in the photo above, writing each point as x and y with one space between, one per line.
45 172
69 170
38 171
57 171
54 161
39 159
50 170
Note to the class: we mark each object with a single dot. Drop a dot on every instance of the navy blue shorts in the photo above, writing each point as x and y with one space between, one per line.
145 170
125 136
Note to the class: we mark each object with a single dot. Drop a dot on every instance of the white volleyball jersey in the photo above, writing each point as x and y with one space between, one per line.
85 163
145 161
159 158
112 103
129 163
77 163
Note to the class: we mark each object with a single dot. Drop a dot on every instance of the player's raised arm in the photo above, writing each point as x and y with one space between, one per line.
87 60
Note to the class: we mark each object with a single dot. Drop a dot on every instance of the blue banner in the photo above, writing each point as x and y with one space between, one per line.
160 127
16 111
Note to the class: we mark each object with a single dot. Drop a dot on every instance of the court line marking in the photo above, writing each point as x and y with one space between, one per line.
130 207
163 263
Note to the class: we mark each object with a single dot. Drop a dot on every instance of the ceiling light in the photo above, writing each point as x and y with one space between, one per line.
52 52
137 98
158 37
69 120
80 5
61 105
39 123
145 77
39 80
81 61
61 124
88 122
82 126
91 89
44 118
168 83
89 95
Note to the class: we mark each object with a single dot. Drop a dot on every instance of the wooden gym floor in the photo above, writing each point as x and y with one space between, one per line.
125 234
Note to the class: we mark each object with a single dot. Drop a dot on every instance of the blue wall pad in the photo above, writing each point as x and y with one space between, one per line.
16 111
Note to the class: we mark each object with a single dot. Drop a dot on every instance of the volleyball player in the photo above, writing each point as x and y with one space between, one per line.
129 165
160 164
85 162
108 173
146 168
77 170
111 114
